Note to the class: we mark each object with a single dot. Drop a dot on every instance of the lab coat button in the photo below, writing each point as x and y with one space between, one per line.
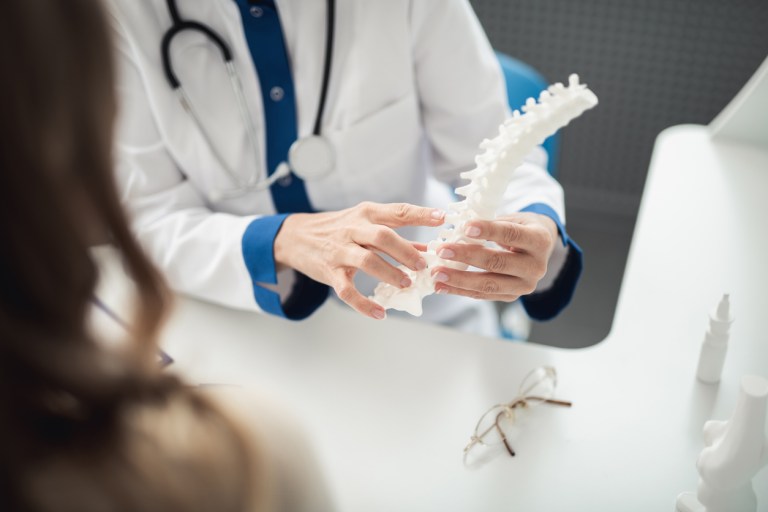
276 93
285 181
256 12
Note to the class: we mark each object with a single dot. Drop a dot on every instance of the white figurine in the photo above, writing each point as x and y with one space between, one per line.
715 344
517 137
735 451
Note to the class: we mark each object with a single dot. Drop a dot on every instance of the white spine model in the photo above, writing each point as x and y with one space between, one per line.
517 137
715 345
735 451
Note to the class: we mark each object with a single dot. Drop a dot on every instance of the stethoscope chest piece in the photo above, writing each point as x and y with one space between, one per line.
311 157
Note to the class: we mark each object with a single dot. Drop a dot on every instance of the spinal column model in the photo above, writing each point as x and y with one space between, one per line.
517 137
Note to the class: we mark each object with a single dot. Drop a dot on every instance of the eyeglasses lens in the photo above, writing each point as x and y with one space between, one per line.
539 385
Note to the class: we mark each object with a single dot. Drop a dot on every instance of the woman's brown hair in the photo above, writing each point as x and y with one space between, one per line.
83 427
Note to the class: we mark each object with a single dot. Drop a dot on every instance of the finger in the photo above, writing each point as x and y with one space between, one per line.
446 289
385 240
485 283
419 246
528 237
345 289
396 215
374 265
499 261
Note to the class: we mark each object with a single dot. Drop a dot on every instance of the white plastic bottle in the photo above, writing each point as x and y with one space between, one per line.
715 345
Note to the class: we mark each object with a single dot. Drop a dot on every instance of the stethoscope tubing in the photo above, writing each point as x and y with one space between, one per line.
178 27
330 29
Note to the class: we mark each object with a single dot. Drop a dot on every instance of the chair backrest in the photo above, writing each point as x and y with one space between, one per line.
524 82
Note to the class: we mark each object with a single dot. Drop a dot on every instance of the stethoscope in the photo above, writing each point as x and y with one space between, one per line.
309 157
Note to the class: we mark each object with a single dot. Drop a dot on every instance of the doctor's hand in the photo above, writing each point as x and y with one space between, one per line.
331 247
524 243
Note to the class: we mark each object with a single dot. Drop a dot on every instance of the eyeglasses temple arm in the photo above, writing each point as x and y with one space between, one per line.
503 436
564 403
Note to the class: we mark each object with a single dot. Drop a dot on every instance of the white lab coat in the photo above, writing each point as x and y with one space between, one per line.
414 88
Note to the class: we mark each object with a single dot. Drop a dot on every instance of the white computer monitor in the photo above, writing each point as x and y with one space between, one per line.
745 118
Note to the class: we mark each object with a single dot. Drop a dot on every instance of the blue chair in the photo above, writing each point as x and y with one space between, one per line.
524 82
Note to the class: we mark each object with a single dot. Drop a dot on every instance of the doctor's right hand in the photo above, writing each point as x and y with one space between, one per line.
331 247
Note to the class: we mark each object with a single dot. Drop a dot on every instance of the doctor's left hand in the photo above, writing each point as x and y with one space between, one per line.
524 243
330 247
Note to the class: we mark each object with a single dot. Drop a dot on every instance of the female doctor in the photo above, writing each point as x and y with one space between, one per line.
269 149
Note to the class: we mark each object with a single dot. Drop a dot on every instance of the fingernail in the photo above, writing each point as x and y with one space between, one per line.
437 214
405 282
421 264
441 277
446 254
379 314
472 231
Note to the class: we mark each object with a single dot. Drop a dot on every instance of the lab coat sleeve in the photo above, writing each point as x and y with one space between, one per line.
463 100
555 290
214 256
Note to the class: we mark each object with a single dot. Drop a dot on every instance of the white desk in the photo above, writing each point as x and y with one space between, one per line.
388 406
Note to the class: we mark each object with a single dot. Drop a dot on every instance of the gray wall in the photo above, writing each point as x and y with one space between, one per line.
652 63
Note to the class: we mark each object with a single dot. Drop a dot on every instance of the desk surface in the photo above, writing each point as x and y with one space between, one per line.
388 406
